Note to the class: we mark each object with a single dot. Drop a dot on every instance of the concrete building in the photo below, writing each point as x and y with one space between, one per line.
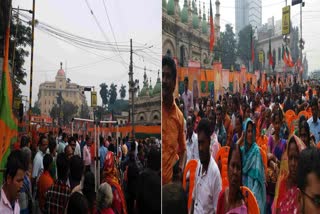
147 103
248 12
186 31
71 92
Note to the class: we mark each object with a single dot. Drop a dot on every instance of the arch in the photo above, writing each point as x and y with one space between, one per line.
182 55
168 45
155 115
141 117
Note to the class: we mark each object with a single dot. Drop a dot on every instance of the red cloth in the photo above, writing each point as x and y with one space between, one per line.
221 202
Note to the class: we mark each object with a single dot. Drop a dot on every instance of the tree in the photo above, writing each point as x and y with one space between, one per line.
113 93
244 46
294 43
69 111
122 91
36 110
55 112
104 93
228 47
100 112
84 111
22 40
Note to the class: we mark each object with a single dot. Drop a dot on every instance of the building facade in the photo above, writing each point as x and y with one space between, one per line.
186 31
147 103
248 12
72 92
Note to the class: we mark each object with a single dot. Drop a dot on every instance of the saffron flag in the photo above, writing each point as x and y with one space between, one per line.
8 123
211 29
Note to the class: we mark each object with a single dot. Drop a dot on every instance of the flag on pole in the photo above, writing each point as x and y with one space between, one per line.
271 62
252 46
211 29
8 123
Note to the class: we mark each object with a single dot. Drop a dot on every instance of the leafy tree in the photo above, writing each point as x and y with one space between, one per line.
55 112
244 46
104 93
69 111
20 34
294 43
228 47
84 111
36 110
113 93
122 91
100 112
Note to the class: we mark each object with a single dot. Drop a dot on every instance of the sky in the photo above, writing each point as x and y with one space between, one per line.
310 21
139 20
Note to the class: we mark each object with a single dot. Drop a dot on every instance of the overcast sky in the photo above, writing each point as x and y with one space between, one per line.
139 20
310 21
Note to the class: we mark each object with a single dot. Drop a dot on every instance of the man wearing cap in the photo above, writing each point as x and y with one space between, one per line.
187 97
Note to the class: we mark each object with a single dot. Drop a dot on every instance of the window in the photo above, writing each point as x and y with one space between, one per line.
155 117
279 55
141 118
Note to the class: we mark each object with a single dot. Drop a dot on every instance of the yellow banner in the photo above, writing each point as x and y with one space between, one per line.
93 99
286 20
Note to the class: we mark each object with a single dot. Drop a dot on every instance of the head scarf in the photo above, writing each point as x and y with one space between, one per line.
284 166
110 173
252 168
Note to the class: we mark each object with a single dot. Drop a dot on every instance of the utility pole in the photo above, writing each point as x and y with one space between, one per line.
301 41
132 88
31 64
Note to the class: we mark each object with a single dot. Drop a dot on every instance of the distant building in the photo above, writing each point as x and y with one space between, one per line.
186 32
72 92
147 104
248 12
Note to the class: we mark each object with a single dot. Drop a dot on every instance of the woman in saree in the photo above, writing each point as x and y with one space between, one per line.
111 176
253 175
276 147
286 200
231 199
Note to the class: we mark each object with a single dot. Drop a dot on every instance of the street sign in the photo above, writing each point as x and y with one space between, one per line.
261 56
286 20
294 2
93 99
17 102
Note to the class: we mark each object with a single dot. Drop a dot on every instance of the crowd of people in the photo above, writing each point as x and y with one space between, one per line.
275 158
59 175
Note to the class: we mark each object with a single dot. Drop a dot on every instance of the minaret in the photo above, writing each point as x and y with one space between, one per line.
176 9
217 20
190 13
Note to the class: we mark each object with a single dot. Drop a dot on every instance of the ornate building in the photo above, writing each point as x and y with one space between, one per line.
185 33
71 92
147 104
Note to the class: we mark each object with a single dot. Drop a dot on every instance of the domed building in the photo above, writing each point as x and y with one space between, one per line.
72 92
186 31
147 103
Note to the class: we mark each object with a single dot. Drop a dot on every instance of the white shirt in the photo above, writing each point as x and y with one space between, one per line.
37 164
86 156
188 101
5 205
192 147
61 147
207 189
77 150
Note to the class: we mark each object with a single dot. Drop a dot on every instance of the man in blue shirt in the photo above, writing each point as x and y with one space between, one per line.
314 122
102 151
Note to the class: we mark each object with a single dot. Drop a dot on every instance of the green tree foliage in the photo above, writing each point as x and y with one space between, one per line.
244 46
228 47
100 112
69 111
217 51
55 112
36 110
84 111
104 93
113 93
294 43
20 39
122 91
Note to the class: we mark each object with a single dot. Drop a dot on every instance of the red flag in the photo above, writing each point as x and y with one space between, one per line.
252 47
211 29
